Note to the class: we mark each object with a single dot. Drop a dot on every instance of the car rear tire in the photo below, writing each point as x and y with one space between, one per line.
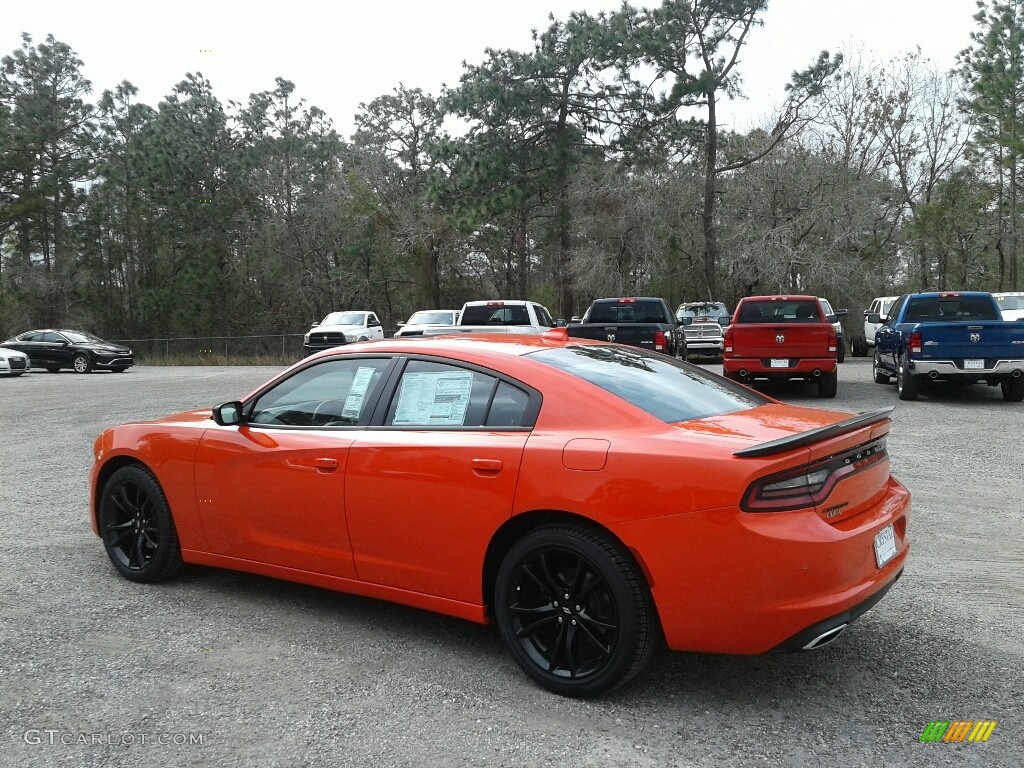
574 611
906 383
1013 389
82 363
828 384
137 528
859 346
878 372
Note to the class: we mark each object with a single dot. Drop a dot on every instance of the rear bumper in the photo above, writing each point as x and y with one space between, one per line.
761 368
725 581
996 369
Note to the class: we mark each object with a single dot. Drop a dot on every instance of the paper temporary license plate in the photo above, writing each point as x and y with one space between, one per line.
780 362
885 546
974 364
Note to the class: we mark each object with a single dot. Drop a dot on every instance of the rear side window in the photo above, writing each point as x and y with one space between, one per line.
664 387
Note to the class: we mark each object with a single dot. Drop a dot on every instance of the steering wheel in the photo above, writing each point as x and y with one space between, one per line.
335 419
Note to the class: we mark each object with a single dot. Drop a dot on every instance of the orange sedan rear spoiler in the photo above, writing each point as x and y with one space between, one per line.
801 439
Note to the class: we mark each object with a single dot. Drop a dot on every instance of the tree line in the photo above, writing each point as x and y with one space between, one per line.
590 164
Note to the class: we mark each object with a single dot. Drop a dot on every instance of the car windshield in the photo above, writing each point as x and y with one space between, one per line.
825 306
344 318
703 310
671 390
432 318
78 337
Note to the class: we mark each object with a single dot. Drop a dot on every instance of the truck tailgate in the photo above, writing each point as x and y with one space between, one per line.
792 340
972 340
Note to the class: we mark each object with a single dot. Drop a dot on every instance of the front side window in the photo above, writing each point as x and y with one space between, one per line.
671 390
330 394
432 394
543 317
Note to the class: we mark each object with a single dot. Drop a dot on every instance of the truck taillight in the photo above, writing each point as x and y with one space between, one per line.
659 342
727 341
915 342
833 339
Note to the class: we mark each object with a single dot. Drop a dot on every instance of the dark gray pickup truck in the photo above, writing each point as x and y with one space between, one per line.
638 321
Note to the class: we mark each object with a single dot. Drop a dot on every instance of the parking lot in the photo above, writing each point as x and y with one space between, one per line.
228 669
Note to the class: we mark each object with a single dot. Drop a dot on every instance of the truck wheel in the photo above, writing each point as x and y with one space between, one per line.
841 351
881 377
906 384
828 384
1013 389
859 346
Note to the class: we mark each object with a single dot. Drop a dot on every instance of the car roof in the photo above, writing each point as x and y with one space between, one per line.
781 297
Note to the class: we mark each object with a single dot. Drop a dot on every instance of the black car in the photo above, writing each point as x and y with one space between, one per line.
54 349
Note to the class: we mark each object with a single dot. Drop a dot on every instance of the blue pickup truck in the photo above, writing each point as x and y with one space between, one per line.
958 337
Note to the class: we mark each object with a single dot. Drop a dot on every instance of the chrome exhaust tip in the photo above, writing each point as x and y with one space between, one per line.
826 637
933 374
817 372
1016 374
743 373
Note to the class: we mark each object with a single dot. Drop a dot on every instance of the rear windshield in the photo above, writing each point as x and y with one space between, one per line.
703 310
950 308
780 311
496 314
671 390
1010 302
629 311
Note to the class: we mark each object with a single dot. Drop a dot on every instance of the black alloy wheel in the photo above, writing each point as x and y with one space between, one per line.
574 611
82 363
136 525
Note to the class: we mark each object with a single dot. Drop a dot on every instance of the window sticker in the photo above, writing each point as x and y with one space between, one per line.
434 399
357 392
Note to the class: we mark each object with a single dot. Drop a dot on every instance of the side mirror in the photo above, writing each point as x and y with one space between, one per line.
724 320
228 414
314 324
874 318
401 323
832 318
685 321
842 312
560 322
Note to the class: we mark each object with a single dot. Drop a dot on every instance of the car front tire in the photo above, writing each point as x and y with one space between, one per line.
82 363
574 611
137 528
878 372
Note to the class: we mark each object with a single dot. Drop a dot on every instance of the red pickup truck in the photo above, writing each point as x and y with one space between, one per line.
782 337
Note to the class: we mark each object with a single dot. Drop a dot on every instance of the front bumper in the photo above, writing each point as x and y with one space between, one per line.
726 581
113 361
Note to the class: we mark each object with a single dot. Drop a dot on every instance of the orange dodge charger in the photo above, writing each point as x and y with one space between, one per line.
588 498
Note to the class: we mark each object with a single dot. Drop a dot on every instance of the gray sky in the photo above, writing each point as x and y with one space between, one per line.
342 53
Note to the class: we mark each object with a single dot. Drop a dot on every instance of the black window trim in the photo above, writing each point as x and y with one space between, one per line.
383 402
364 418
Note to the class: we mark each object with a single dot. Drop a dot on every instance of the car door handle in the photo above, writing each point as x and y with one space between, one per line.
486 466
326 464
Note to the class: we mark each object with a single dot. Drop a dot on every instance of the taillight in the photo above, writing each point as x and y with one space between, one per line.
833 339
659 341
915 341
727 341
811 484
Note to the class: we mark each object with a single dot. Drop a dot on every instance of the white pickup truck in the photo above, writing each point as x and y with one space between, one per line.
340 328
499 316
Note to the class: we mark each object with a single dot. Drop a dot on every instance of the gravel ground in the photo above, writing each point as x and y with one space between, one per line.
273 674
